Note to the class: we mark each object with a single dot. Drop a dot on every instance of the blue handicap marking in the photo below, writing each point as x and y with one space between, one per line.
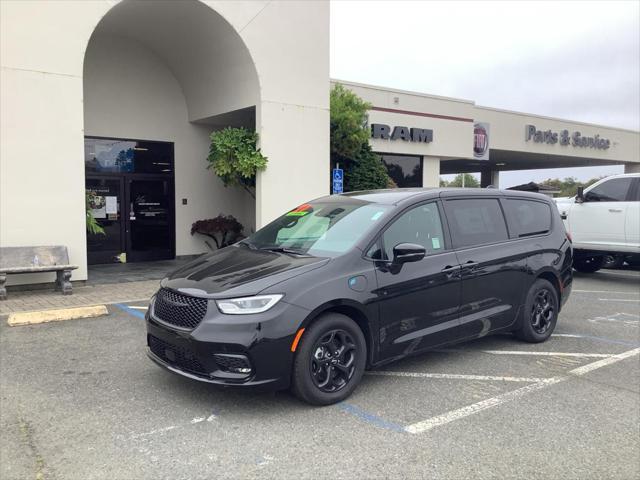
338 176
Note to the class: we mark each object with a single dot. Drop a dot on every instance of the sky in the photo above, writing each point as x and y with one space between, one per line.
578 60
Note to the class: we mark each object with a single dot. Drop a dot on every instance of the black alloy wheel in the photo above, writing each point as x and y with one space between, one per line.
333 361
542 311
329 361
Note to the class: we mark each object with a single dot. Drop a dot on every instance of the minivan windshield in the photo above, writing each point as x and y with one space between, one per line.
323 229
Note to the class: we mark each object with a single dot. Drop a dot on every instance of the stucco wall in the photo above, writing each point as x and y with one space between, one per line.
42 132
452 135
130 93
508 133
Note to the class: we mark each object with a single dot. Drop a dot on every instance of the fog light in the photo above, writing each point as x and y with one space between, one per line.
233 363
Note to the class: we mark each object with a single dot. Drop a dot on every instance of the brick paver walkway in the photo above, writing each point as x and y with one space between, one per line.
24 301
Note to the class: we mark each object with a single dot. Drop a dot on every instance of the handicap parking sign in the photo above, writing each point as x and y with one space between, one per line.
338 176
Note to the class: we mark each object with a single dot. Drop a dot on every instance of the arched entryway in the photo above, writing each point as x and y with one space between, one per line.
158 78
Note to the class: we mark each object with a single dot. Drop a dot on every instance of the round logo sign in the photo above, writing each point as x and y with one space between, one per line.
480 140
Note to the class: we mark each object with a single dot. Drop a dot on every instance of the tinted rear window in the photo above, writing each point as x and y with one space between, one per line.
475 221
527 217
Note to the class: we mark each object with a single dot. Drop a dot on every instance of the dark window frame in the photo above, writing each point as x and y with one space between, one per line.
172 146
627 197
127 176
378 237
476 245
514 235
634 191
419 157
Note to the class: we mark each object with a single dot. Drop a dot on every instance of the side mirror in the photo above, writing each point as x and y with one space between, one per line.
580 195
408 252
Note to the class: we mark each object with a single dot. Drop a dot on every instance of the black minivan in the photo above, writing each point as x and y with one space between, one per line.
349 282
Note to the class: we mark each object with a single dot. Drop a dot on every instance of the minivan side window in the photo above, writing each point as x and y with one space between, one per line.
475 221
420 225
527 217
614 190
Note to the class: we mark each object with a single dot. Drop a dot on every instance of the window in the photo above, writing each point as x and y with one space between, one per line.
325 229
636 196
404 170
103 155
475 221
614 190
420 225
527 217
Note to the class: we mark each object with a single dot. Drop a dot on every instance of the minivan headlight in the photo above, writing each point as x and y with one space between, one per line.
247 305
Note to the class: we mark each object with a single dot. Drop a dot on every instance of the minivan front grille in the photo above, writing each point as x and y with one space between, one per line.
180 310
180 357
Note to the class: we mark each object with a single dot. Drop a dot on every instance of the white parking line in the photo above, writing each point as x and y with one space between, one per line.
618 300
605 291
153 432
548 354
454 376
138 308
474 408
544 354
463 412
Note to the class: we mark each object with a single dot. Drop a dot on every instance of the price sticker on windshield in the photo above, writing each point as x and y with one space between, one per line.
302 210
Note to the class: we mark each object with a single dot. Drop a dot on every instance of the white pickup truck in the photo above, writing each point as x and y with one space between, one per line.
604 222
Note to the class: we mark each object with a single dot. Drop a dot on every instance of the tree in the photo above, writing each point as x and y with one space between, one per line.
363 169
234 158
367 173
469 181
569 186
347 124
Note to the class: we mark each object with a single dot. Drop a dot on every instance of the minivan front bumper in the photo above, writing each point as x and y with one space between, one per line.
229 350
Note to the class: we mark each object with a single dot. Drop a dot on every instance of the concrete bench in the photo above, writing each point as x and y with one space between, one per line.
35 260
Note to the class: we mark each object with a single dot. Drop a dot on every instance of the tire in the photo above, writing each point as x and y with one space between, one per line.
540 313
320 379
612 261
588 264
633 260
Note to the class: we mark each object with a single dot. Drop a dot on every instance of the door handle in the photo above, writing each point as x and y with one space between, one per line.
449 269
615 210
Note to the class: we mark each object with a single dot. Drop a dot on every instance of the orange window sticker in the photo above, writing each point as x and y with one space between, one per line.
300 211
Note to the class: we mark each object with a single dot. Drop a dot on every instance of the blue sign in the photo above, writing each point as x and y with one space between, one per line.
338 177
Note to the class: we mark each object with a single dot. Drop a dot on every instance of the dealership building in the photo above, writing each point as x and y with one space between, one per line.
115 101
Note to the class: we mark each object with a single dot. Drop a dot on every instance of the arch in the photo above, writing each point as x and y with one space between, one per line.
197 43
170 72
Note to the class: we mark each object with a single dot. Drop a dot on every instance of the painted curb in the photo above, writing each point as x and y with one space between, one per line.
44 316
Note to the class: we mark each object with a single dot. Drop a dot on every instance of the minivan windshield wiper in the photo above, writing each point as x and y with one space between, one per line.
291 251
249 245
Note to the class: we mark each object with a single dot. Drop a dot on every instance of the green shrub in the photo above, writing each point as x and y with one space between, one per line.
234 158
367 173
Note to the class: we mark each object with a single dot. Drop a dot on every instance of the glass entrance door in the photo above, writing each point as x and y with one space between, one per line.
149 220
129 189
137 215
104 198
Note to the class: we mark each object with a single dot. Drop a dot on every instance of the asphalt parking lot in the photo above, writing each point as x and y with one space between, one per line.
80 400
